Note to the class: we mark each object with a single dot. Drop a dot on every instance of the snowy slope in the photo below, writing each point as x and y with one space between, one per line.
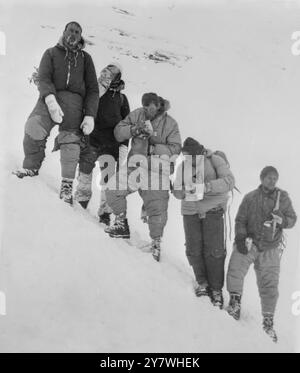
233 84
71 288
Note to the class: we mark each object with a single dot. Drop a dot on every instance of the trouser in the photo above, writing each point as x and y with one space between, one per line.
37 132
84 192
267 269
205 247
88 157
39 126
155 205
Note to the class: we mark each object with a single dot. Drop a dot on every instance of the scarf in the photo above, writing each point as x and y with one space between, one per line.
71 52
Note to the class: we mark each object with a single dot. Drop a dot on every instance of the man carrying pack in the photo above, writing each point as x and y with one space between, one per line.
203 217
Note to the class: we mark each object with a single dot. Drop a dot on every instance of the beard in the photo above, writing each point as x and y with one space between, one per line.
71 41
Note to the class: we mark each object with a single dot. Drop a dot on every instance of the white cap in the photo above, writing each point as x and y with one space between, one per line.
117 64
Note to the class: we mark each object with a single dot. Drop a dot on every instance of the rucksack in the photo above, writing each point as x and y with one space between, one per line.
221 154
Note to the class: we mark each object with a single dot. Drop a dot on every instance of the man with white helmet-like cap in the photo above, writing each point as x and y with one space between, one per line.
113 107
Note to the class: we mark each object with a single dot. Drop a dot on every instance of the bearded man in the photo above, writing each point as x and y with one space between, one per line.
69 96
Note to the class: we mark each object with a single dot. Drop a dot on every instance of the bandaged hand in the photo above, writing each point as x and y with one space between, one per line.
87 125
54 109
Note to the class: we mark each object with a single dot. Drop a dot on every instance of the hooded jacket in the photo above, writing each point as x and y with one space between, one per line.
73 71
113 107
221 180
165 140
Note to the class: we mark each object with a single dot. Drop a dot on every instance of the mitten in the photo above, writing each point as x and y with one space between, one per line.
136 130
148 129
87 125
55 111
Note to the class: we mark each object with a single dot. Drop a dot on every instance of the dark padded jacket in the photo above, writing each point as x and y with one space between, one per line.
62 70
113 107
255 209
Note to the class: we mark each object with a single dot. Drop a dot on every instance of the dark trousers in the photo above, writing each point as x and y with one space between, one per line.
39 125
205 247
90 153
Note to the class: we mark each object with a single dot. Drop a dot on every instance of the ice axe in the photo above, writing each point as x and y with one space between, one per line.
275 208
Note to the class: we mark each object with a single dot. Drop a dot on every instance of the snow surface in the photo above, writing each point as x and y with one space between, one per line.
233 83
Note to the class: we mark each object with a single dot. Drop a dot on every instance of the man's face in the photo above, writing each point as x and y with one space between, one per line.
72 35
269 181
108 75
151 110
105 78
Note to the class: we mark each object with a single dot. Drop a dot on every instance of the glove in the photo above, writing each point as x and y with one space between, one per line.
148 129
55 111
141 130
278 218
87 125
136 130
240 242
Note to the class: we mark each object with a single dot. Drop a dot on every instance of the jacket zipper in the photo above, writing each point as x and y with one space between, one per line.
69 73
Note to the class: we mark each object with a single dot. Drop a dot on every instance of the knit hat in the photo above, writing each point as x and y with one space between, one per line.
192 147
267 170
115 65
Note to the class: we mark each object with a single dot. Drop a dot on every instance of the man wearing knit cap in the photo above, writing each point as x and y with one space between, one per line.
259 224
203 219
69 94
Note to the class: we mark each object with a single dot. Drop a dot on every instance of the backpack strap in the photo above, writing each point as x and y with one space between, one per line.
221 154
